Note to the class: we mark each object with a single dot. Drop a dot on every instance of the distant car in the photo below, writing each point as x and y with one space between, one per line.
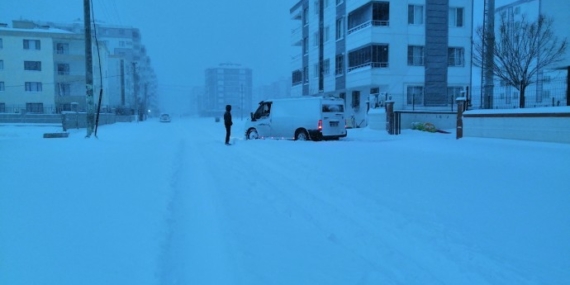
164 118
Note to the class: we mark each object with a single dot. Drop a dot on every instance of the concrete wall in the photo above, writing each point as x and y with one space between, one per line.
538 124
70 120
22 118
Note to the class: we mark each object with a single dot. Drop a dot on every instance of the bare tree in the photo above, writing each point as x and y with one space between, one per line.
521 50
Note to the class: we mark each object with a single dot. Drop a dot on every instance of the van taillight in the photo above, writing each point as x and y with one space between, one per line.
320 126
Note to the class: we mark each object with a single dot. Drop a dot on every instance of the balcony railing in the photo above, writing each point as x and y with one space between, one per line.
368 24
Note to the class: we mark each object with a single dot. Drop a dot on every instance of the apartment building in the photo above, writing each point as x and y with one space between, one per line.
42 68
129 81
550 86
33 62
227 84
416 53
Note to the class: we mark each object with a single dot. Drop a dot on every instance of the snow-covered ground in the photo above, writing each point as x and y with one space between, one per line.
152 203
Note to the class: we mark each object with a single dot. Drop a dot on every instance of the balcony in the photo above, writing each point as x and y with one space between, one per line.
297 36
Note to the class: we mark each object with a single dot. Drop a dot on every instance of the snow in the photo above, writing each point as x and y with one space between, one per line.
169 203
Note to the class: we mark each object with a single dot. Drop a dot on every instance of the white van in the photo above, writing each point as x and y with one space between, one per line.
298 118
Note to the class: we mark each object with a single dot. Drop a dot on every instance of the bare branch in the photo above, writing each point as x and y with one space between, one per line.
522 49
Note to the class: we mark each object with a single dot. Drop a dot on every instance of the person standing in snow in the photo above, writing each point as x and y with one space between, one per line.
228 123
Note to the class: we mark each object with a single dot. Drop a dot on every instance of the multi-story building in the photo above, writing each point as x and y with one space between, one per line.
129 79
42 68
227 84
413 52
550 86
38 66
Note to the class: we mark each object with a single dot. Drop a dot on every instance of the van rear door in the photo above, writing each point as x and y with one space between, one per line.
333 118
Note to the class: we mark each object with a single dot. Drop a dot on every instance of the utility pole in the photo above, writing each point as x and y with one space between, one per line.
136 92
89 70
488 53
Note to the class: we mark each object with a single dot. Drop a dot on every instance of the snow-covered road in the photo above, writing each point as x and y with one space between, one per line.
171 204
369 209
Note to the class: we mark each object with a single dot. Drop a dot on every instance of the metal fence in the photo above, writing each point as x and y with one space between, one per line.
550 94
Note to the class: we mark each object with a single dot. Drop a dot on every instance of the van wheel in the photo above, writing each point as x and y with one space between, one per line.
301 135
252 134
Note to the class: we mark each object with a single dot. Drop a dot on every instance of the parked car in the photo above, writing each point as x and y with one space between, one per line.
303 118
164 118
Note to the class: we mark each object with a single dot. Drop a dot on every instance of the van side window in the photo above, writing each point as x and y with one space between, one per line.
262 112
329 108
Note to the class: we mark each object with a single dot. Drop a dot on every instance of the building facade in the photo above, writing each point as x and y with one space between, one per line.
227 84
413 52
29 67
42 68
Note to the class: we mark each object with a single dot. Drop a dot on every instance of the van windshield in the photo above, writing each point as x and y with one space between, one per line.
329 108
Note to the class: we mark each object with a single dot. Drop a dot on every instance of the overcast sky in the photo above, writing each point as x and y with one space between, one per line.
184 37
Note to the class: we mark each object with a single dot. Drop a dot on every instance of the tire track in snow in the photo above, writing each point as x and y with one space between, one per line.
196 249
170 263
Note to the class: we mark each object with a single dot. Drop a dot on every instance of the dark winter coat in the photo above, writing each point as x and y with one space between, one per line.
228 116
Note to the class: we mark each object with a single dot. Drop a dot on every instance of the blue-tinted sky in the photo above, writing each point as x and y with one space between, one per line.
184 37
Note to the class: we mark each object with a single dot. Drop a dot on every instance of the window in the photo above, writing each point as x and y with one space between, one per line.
33 65
339 65
316 70
32 44
316 38
33 86
62 48
355 99
297 77
415 14
2 87
1 44
415 95
375 13
326 67
63 69
34 107
375 56
306 74
63 89
306 16
305 45
455 56
1 64
339 28
326 35
338 2
333 108
416 55
380 13
456 17
2 107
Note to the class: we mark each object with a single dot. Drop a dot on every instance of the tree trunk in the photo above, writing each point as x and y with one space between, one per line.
522 97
